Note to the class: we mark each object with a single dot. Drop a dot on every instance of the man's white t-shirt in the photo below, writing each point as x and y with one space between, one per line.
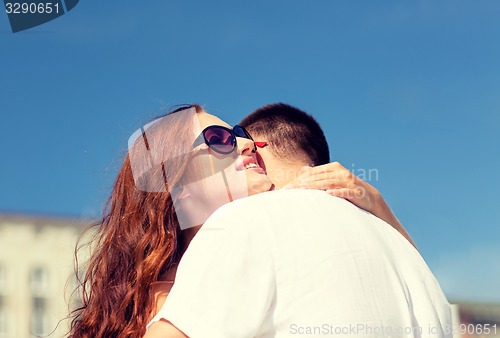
300 263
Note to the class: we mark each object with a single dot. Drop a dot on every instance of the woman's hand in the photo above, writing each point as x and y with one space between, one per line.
336 180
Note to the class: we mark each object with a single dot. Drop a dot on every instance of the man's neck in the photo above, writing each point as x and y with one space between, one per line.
285 173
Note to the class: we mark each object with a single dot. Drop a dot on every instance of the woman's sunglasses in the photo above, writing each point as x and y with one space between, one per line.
221 139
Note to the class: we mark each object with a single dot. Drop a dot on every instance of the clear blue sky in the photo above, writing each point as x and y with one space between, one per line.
409 88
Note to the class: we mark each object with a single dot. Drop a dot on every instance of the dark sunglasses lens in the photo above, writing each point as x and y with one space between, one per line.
242 132
220 140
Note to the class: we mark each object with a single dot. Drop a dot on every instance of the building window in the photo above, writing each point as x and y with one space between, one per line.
39 319
3 280
3 318
39 283
3 301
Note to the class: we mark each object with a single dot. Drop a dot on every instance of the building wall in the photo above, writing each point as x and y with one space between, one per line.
36 262
476 320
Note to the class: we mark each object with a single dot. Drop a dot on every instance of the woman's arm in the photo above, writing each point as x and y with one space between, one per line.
164 329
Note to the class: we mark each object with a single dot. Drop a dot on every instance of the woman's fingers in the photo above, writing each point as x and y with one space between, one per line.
333 167
328 176
349 194
322 182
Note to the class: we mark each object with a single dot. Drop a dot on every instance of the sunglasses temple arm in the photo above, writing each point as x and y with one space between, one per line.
227 186
212 167
199 141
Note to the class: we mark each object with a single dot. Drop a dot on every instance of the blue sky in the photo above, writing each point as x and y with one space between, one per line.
410 89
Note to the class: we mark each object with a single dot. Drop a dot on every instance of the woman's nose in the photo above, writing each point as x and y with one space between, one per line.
245 146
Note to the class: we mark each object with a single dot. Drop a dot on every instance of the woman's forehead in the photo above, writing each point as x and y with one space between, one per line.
205 119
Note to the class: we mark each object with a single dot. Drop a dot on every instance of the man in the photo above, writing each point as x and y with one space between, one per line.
300 262
298 149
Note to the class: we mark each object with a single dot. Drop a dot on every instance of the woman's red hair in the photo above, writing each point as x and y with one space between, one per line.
136 242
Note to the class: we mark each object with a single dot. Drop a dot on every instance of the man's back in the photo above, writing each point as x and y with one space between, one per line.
300 262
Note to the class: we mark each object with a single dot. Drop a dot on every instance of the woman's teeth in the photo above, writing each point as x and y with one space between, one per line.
251 165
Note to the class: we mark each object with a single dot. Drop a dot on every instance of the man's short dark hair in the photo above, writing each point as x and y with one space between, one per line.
289 132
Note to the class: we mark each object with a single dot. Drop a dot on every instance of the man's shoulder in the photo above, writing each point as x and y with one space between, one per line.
277 199
279 203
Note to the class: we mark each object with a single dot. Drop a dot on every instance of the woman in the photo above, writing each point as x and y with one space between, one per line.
180 168
139 240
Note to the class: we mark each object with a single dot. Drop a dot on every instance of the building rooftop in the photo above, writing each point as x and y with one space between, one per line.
42 219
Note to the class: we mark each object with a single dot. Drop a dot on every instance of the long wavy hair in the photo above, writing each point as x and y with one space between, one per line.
137 240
